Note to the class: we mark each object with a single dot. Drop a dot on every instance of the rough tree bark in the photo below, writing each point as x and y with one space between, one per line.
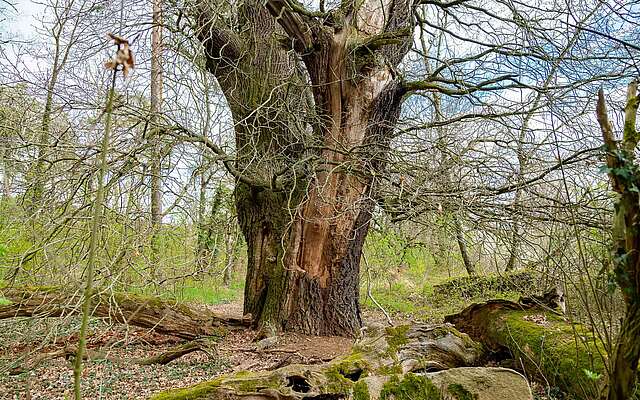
307 87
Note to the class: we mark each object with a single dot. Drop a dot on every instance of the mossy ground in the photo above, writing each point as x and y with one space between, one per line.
410 387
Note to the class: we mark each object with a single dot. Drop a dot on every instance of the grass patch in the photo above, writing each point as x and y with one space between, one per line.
4 302
399 299
210 292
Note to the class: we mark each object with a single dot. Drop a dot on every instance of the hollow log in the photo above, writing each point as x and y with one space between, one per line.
398 363
565 355
164 316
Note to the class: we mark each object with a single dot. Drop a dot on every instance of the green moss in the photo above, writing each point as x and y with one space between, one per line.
411 387
460 393
339 370
361 391
191 393
560 350
392 369
485 286
396 337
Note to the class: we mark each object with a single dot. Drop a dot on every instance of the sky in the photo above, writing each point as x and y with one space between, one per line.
19 23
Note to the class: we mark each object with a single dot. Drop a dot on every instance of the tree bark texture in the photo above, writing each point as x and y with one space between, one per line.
314 114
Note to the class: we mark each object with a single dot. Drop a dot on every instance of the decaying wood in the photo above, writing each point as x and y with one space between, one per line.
376 362
542 342
163 316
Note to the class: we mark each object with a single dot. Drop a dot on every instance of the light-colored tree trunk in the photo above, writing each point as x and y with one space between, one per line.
462 245
155 169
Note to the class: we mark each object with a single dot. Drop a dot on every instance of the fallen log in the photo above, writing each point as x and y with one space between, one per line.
541 341
402 363
164 316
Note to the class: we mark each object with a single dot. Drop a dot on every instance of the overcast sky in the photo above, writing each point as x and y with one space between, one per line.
19 23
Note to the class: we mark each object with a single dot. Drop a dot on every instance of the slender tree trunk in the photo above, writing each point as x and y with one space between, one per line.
38 180
156 110
231 245
462 244
6 175
96 221
515 233
201 256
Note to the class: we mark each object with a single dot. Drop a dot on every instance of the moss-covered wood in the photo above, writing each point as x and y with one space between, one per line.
473 286
381 366
550 348
164 316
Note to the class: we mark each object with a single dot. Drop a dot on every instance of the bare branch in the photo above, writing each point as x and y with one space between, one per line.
291 17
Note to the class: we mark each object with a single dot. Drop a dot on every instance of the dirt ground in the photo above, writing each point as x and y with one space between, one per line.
115 375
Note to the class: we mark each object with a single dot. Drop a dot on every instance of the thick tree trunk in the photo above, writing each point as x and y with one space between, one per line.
305 240
621 156
163 316
541 342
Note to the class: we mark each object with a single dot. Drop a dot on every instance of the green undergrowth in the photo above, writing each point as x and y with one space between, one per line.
399 299
210 292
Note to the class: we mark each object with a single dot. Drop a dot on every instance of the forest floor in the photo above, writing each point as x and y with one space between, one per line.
21 341
116 375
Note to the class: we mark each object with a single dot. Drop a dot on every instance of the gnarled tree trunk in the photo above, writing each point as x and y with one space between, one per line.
312 126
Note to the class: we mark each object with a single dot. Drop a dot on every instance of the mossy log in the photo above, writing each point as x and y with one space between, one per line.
477 285
163 316
392 364
548 347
